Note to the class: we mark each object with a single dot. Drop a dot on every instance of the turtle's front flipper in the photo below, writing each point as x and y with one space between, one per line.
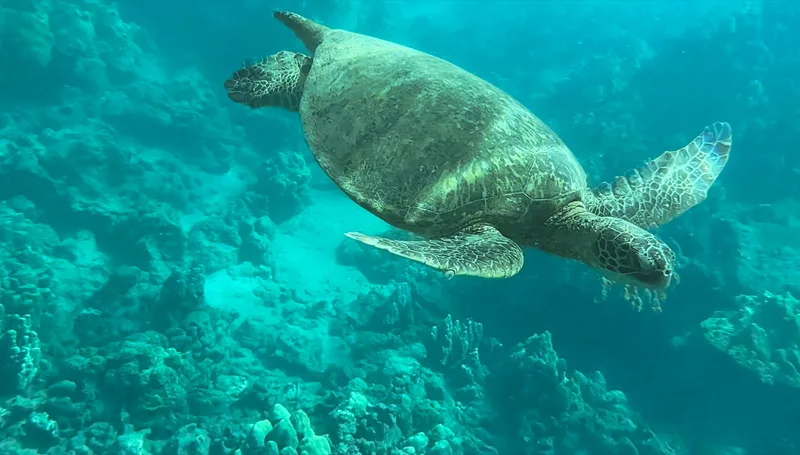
479 250
669 185
276 81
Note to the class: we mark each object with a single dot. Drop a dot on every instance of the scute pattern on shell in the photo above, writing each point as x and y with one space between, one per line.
428 146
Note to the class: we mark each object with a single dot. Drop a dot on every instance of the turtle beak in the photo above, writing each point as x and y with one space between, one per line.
654 279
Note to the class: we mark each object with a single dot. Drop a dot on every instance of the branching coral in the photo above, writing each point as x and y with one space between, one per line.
454 342
365 427
556 411
20 353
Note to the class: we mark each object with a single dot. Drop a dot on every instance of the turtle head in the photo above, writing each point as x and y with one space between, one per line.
627 253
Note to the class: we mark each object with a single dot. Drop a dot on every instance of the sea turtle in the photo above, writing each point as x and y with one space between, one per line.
437 151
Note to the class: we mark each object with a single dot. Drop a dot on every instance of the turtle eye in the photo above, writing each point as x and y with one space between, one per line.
644 261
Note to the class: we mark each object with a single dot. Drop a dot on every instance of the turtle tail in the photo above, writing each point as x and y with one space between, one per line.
308 31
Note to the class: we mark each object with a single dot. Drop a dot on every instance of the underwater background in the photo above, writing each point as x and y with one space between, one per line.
175 278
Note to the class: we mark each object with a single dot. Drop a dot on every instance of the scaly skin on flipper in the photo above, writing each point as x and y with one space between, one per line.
479 250
275 81
668 185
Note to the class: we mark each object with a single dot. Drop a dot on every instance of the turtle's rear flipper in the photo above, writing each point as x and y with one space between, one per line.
479 250
276 81
668 185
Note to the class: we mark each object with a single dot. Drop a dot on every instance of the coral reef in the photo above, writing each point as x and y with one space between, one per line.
20 347
174 278
570 412
762 335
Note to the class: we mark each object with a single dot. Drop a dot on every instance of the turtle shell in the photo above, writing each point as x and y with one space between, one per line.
425 145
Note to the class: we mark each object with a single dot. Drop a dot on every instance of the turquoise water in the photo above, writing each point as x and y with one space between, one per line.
176 278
